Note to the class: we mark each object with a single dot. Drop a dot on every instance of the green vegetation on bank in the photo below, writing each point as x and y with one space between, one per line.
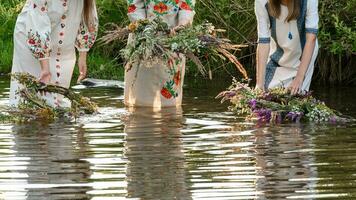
336 63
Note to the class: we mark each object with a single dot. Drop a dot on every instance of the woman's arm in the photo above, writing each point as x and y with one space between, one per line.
263 47
262 54
307 55
311 27
85 40
38 28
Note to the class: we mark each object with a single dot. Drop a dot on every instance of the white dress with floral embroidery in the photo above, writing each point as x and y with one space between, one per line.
158 84
50 29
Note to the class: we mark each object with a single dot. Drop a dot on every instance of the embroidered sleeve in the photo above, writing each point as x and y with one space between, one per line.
136 10
312 18
87 33
38 28
263 22
186 12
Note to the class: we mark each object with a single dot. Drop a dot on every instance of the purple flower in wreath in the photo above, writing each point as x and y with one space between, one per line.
230 94
294 116
252 103
263 115
267 96
307 94
333 119
279 118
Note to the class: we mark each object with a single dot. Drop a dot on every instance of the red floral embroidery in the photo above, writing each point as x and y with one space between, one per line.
160 7
31 41
132 8
165 93
86 36
177 78
38 44
185 6
172 86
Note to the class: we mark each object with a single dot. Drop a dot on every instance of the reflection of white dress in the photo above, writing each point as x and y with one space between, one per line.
50 30
154 150
287 40
158 84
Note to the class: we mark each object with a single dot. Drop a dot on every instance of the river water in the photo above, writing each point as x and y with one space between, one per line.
201 151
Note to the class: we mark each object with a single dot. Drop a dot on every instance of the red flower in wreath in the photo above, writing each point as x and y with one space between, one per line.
31 41
185 6
176 78
165 93
132 8
177 1
85 37
160 7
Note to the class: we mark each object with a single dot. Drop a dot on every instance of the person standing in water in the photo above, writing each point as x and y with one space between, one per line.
158 84
287 43
45 37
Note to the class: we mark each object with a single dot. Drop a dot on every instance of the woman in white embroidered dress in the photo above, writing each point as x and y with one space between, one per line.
45 37
158 84
287 45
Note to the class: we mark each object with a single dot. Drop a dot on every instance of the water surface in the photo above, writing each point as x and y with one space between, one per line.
200 151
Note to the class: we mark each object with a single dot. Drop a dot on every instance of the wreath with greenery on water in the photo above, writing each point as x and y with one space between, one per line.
33 107
278 105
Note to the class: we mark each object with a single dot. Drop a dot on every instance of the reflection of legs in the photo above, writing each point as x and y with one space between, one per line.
280 159
54 161
154 150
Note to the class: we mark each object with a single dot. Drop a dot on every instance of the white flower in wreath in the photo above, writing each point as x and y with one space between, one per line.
174 46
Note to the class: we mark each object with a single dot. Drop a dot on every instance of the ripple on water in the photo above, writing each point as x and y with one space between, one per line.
201 153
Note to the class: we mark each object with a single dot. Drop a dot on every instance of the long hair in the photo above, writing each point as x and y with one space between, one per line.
274 7
88 11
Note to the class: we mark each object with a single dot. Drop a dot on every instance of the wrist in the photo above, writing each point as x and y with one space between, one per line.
44 65
83 54
299 77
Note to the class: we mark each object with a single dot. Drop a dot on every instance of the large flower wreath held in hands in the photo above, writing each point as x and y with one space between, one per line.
277 105
153 40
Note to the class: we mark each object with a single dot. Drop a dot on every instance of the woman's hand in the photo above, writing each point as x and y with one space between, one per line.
174 30
45 76
82 64
259 87
296 85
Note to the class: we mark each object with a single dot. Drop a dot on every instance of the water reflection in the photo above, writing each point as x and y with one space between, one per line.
154 153
205 153
50 163
283 158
